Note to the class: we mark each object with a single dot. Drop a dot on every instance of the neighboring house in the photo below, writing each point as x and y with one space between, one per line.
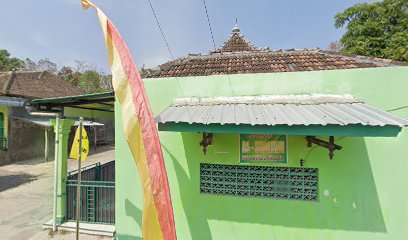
23 136
244 167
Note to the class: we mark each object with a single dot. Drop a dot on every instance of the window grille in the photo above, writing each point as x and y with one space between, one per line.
260 181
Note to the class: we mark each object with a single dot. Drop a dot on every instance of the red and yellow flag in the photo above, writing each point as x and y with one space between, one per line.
141 134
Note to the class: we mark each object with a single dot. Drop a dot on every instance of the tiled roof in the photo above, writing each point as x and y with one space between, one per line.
35 84
238 55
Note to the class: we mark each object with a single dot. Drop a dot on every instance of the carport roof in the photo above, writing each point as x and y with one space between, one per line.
96 101
45 121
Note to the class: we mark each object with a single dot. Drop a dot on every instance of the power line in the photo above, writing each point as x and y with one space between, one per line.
161 30
209 23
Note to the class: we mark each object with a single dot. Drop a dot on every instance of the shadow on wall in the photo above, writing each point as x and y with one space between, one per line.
133 212
352 204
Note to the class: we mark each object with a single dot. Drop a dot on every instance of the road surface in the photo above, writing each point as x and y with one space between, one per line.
26 192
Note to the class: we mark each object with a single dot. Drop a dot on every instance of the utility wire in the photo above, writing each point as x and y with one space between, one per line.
209 23
161 30
398 108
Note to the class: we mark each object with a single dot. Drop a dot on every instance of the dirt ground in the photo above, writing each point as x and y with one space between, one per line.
26 192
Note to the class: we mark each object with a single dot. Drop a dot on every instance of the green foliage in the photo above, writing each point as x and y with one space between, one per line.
377 29
86 77
89 81
8 63
69 76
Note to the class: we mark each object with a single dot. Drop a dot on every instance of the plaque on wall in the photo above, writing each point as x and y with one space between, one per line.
262 148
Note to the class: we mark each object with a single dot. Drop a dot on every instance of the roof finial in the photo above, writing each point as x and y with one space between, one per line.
236 28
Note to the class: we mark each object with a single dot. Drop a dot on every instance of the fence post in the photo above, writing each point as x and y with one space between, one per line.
98 172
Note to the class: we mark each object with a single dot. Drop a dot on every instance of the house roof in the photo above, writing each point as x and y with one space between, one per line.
289 110
239 56
35 84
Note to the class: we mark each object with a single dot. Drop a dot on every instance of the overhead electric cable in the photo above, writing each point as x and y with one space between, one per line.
161 30
209 23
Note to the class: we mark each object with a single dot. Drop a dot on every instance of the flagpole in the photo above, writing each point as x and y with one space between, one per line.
78 209
54 209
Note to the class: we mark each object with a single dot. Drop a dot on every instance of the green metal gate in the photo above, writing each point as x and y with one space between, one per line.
97 201
97 193
2 138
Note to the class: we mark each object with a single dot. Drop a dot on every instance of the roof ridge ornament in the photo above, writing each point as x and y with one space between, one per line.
237 43
236 28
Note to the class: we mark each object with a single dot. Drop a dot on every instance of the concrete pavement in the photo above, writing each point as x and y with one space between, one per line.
26 192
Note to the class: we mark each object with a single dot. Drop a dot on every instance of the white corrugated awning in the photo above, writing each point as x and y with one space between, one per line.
45 121
89 123
290 110
11 101
40 121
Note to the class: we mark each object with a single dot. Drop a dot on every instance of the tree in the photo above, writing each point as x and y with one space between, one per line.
30 65
89 81
81 66
86 77
335 46
44 64
106 83
69 76
378 29
8 63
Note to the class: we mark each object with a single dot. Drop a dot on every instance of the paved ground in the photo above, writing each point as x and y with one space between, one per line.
26 191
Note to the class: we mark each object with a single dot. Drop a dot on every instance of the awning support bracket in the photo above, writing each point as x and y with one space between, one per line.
207 141
329 145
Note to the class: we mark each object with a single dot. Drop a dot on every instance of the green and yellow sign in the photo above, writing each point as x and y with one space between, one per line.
261 148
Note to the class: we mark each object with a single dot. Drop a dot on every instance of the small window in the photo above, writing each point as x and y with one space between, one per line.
261 148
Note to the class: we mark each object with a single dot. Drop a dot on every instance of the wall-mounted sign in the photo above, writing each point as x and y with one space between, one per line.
260 148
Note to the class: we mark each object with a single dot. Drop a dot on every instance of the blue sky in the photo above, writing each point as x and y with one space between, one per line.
61 31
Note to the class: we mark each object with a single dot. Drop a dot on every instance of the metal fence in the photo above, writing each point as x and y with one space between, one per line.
3 143
97 201
96 172
97 194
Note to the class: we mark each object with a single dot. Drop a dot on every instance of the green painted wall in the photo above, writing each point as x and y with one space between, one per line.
4 110
362 192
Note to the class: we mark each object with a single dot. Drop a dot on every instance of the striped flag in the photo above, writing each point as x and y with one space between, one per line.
141 134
